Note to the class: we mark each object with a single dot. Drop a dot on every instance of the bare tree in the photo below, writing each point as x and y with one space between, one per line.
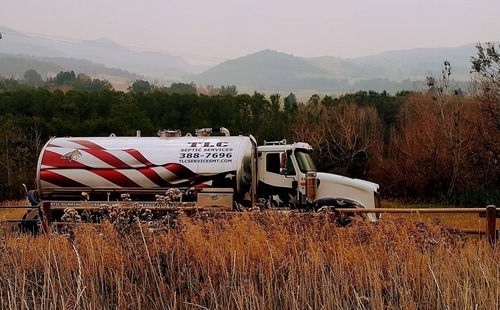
344 135
431 153
486 82
453 124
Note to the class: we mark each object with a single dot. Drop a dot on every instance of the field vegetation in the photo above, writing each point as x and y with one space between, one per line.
256 260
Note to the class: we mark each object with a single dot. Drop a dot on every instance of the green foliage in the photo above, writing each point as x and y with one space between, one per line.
327 101
291 105
85 83
487 61
18 156
387 106
185 89
229 90
182 89
127 118
140 86
8 84
66 80
63 78
31 77
475 197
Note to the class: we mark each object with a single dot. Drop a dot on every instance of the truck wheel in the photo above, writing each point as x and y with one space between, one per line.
332 203
343 220
30 222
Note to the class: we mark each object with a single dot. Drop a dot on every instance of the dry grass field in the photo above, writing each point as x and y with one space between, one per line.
257 260
12 213
464 221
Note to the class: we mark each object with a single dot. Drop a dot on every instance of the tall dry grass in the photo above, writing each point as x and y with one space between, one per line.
12 213
465 221
251 261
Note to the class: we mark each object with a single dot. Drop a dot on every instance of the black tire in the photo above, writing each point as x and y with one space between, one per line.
342 220
29 226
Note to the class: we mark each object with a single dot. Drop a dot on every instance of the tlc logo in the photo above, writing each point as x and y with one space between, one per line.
208 144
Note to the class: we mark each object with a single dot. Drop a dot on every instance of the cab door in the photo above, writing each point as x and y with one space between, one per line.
278 181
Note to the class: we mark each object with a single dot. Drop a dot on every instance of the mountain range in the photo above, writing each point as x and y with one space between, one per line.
265 70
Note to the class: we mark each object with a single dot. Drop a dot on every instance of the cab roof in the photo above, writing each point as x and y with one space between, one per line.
281 146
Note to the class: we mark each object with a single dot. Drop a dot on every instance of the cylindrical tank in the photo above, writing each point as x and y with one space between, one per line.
142 166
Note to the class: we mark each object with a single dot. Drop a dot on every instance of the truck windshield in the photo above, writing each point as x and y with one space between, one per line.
304 160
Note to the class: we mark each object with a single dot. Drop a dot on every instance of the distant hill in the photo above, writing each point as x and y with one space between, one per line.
417 63
266 70
392 71
16 65
105 51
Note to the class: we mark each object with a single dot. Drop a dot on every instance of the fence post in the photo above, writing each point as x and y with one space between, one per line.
46 217
491 222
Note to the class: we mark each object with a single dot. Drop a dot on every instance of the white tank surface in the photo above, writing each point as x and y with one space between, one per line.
139 164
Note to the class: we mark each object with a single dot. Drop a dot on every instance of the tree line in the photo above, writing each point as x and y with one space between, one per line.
440 145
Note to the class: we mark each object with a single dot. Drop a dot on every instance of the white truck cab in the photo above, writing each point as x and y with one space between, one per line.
287 177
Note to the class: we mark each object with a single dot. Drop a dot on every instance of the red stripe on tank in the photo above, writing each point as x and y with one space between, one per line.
166 179
115 177
112 160
59 180
88 144
202 185
154 177
139 157
180 171
54 159
108 158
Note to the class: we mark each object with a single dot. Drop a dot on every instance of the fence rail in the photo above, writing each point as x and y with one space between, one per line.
414 210
491 213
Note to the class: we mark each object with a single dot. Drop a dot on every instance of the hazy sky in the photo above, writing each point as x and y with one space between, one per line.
227 29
